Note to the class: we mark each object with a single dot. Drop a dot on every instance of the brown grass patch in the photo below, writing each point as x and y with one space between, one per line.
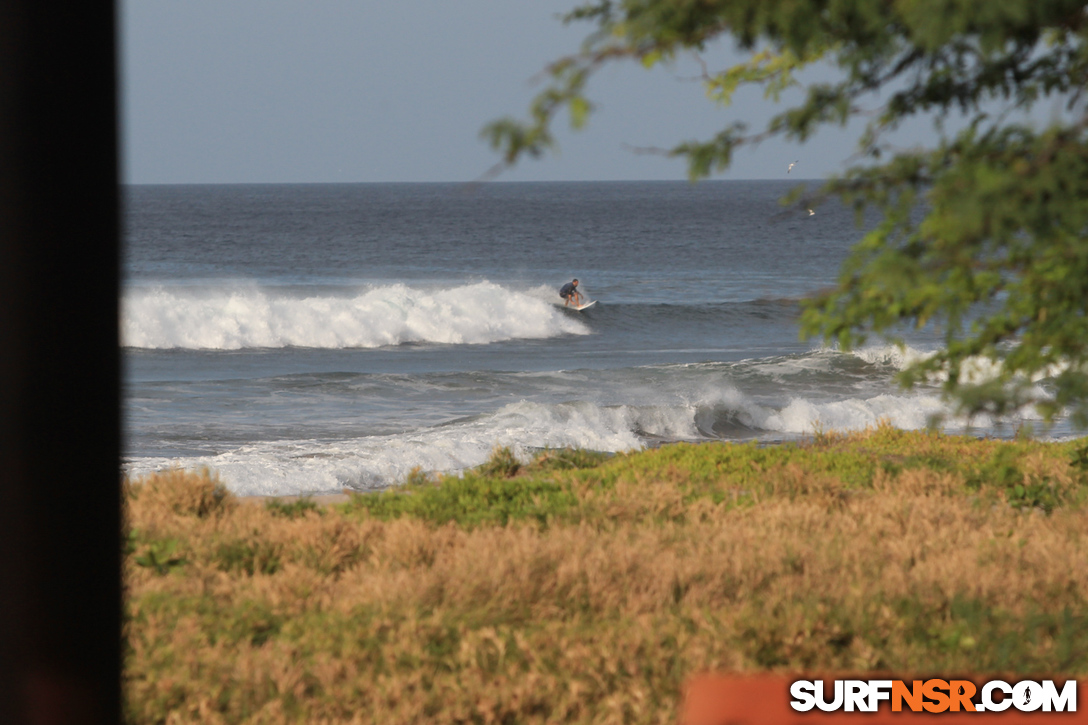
333 616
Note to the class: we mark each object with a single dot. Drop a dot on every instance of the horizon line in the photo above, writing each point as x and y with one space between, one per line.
472 182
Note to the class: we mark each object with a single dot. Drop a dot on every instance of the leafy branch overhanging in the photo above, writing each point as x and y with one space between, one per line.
998 259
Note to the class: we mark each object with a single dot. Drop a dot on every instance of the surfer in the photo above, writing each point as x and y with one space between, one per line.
569 292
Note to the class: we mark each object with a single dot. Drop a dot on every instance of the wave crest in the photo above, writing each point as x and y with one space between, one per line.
255 317
898 357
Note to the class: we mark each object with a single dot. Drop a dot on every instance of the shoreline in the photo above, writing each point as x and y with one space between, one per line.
327 499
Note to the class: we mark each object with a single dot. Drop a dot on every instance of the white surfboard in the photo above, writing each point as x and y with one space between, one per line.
574 308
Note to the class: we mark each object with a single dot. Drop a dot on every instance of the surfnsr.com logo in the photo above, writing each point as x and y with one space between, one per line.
933 696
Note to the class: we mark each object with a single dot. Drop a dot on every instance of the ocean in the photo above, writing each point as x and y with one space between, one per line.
313 338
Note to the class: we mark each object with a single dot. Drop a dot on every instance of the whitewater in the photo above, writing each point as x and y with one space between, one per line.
312 339
611 410
238 315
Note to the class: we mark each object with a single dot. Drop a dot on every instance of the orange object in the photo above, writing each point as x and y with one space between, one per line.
765 700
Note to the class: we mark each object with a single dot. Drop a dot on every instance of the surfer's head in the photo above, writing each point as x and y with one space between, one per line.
574 282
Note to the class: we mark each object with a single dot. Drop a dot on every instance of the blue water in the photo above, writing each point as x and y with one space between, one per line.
303 339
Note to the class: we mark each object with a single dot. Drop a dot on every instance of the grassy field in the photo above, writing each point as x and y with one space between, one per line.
585 588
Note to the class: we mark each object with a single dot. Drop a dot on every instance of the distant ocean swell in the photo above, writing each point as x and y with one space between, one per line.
222 317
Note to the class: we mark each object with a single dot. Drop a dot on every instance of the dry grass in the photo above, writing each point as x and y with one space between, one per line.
598 612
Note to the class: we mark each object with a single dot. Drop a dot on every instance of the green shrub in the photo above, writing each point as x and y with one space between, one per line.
501 463
566 459
471 500
160 555
292 509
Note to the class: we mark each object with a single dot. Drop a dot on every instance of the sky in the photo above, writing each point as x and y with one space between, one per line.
320 91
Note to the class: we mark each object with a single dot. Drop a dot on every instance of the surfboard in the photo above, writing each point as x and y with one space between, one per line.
572 308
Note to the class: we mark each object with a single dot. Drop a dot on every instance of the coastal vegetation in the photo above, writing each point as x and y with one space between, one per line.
581 587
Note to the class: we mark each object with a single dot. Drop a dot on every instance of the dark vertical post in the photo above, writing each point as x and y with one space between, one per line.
60 598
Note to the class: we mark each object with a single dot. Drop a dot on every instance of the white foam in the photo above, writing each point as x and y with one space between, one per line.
310 466
292 467
248 316
315 466
801 416
908 412
894 355
976 370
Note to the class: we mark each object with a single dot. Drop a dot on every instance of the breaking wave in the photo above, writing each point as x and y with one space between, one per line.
372 462
770 399
249 316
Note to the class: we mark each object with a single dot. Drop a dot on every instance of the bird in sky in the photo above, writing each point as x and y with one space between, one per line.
788 170
811 213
